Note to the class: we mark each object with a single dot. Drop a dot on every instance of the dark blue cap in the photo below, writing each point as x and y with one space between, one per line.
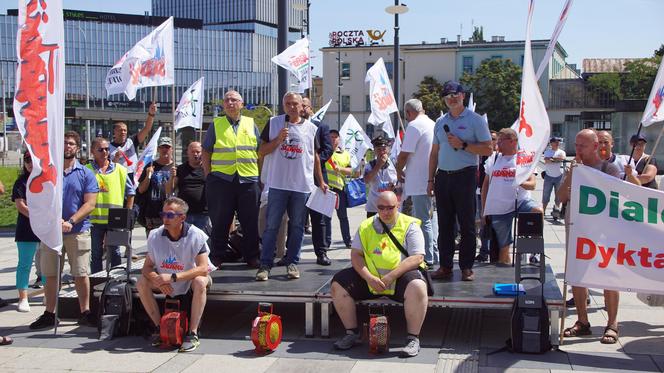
452 87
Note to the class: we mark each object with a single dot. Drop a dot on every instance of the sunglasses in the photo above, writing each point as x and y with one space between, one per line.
386 208
453 95
101 150
169 214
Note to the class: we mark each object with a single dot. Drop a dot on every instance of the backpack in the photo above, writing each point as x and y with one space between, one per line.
115 309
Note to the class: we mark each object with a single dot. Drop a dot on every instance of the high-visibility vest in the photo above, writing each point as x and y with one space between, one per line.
235 152
337 180
380 253
114 183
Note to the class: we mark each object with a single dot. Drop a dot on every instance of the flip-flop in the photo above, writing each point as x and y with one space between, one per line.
610 336
6 341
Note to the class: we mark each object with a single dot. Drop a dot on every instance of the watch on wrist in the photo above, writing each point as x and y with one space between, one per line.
174 277
464 146
71 221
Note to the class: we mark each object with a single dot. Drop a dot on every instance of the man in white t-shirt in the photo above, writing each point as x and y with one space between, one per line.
553 174
176 265
414 156
289 146
499 193
605 152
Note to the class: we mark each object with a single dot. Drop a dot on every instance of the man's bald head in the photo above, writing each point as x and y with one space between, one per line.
586 145
387 198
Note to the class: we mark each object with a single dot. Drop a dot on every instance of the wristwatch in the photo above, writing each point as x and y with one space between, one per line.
174 277
464 145
71 221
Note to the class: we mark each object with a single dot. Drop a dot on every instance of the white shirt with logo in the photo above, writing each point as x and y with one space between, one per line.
620 160
291 165
129 149
417 141
554 169
502 192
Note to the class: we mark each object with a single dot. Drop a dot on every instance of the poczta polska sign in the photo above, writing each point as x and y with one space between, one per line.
356 38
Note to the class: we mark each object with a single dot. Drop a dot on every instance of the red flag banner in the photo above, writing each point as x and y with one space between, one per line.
39 110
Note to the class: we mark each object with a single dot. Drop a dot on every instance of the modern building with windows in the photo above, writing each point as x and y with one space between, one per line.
444 61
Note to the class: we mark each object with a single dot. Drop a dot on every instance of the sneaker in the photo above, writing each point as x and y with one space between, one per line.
347 342
292 271
263 274
38 283
87 319
23 305
412 347
190 342
155 338
45 321
481 258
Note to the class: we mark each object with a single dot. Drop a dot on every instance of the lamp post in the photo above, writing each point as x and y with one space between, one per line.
339 85
396 9
87 90
5 142
282 44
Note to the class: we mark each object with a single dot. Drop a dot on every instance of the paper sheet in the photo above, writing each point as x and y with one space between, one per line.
325 203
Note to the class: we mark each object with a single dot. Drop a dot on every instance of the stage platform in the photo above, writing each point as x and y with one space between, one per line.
235 282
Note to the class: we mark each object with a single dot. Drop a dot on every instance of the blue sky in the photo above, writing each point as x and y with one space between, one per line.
595 28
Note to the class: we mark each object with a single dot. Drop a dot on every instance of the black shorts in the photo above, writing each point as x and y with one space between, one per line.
358 289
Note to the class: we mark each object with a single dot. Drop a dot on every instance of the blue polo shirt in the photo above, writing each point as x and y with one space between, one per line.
469 127
79 181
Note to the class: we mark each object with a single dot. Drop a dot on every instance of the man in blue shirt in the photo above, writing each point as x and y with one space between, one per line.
79 193
459 138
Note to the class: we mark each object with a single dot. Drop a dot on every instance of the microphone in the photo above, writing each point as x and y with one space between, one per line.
287 122
447 131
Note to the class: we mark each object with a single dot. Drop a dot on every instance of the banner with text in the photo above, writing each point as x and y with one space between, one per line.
615 238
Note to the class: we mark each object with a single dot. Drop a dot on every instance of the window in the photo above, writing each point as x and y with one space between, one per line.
345 104
468 64
345 70
389 66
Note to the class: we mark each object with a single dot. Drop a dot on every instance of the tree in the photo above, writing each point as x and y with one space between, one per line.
607 82
478 34
496 86
660 51
639 77
429 92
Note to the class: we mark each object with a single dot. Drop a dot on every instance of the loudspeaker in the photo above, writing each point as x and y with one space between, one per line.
530 224
120 219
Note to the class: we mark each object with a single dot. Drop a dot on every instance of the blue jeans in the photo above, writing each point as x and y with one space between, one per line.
97 234
201 221
293 203
550 184
422 208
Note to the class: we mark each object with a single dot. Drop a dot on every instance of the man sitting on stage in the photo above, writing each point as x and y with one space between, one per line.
380 269
177 264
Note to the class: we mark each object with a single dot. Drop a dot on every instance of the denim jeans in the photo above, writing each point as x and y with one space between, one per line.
280 201
551 184
422 208
201 221
97 234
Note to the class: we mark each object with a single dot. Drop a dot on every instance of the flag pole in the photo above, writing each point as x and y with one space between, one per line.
173 134
652 151
631 155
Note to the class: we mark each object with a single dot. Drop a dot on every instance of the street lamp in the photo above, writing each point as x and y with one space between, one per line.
87 89
396 9
339 85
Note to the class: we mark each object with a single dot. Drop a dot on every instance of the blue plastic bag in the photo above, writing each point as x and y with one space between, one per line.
356 192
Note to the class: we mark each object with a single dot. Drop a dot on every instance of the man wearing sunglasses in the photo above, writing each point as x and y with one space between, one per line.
460 137
114 185
177 266
380 268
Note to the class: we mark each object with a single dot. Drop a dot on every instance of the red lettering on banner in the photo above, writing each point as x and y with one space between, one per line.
582 242
587 249
36 82
523 125
297 61
606 254
523 158
383 99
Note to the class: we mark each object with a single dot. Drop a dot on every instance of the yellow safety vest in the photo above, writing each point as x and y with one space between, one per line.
337 180
380 253
235 153
114 183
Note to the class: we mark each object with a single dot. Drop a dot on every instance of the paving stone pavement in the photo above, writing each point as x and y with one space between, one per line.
453 340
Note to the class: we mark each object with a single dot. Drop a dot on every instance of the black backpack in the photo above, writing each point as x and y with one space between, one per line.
530 331
115 309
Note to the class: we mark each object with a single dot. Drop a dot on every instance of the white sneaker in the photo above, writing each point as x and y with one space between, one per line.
23 305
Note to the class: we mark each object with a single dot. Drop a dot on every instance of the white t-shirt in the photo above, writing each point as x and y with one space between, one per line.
554 169
620 160
177 256
417 141
385 179
291 165
501 194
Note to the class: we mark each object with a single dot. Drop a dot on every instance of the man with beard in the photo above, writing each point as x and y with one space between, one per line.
79 193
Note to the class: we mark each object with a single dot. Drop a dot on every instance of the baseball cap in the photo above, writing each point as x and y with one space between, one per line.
637 138
452 87
381 141
555 139
165 141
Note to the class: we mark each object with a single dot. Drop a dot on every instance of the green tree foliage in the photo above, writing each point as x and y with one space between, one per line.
660 51
478 34
608 82
429 92
639 77
496 86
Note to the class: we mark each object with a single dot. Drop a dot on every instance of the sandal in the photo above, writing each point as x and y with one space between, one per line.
610 336
6 341
578 329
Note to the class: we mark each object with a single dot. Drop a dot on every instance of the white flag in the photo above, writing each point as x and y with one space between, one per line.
189 112
39 107
149 63
354 140
318 117
654 111
533 125
296 60
147 156
396 145
471 103
380 93
554 39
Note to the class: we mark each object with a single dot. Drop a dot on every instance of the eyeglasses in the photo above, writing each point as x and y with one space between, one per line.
453 95
101 150
169 214
386 208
